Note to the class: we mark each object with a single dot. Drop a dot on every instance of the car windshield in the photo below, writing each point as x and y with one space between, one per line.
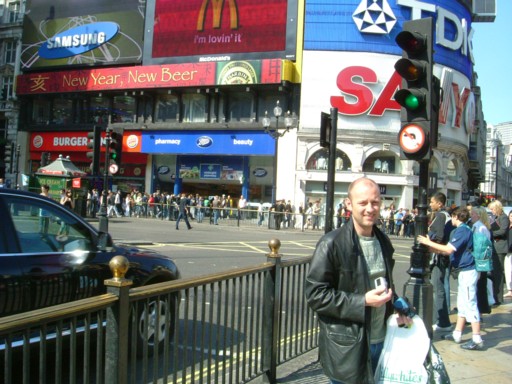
43 228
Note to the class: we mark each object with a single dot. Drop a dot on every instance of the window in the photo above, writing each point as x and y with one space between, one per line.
99 110
241 107
43 229
61 111
124 109
167 109
7 87
9 52
380 162
14 12
194 106
41 111
319 161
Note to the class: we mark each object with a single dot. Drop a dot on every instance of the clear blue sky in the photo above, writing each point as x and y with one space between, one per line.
492 49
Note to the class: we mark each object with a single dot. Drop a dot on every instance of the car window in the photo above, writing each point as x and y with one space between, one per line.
42 228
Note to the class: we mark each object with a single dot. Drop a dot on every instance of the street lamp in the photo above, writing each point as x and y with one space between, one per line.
276 134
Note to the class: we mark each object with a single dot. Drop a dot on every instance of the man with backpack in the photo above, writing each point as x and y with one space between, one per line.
439 232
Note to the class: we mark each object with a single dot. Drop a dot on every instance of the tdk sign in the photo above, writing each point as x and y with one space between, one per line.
78 40
204 142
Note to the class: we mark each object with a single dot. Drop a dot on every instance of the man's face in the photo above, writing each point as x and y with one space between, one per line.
435 205
364 203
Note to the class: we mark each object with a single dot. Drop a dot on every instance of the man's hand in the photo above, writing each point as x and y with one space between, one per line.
378 297
404 321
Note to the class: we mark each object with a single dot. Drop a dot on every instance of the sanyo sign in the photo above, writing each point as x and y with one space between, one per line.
452 32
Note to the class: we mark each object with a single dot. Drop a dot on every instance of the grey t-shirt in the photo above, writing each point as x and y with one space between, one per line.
376 268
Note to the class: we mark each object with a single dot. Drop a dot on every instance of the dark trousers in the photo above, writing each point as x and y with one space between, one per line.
440 282
498 276
184 216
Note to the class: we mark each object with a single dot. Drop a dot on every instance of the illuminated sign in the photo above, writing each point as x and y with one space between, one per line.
78 40
268 71
81 33
371 26
219 30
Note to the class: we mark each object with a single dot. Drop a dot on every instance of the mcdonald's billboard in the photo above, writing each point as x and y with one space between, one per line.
180 31
81 33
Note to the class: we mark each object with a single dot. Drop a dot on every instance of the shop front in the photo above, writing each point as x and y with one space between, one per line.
45 147
208 163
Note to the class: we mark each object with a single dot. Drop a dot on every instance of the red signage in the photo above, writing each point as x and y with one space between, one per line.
77 182
155 76
208 27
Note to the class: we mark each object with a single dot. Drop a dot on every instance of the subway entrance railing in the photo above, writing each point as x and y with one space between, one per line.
230 327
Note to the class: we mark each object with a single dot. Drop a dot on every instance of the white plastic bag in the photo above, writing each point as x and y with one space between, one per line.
404 353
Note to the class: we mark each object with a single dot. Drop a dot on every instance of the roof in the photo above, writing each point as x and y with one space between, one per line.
62 166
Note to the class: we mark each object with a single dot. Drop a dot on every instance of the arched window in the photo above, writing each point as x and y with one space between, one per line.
381 162
320 159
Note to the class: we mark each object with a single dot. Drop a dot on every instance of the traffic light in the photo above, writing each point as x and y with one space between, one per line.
9 158
325 129
419 95
94 144
116 146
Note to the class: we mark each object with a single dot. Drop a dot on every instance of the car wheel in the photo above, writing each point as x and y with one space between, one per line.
154 319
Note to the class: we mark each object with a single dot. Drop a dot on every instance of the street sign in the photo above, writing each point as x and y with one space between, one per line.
113 168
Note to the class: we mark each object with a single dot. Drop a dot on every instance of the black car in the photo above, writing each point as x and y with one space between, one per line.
49 256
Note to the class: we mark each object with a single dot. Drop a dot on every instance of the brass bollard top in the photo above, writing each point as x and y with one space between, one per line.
119 266
274 245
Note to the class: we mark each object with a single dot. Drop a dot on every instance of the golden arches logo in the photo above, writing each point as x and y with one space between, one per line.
218 6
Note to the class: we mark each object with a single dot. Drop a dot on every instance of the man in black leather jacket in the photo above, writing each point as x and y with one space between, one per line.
340 287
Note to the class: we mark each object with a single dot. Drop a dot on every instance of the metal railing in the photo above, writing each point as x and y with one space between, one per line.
222 328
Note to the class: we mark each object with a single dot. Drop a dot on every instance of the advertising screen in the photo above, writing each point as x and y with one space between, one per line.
82 33
219 30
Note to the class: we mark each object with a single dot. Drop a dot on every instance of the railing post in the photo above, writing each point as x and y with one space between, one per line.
116 339
271 314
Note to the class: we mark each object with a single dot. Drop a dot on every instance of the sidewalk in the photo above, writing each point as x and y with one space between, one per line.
469 367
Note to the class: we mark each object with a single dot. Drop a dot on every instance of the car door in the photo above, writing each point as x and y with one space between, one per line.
55 251
12 287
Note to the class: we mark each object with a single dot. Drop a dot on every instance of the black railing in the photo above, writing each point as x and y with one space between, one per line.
223 328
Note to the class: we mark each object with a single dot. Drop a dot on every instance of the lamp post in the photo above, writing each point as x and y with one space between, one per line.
103 214
276 134
18 150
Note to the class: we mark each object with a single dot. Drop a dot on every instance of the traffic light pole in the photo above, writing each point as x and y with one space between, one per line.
418 288
331 172
102 215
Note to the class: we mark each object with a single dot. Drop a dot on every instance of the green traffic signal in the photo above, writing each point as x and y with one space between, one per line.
411 99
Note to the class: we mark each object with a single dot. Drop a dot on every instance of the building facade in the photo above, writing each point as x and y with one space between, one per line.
189 84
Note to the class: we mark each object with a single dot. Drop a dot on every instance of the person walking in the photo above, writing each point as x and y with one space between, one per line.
183 211
352 311
479 223
463 262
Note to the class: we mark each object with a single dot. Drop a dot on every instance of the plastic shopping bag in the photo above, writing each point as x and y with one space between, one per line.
403 355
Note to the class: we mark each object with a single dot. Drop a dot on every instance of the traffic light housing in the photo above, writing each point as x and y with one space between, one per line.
94 144
325 129
419 94
116 146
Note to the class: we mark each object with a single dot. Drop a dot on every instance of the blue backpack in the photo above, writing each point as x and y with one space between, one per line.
482 252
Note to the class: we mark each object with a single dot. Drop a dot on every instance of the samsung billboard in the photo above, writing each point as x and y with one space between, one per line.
82 33
180 31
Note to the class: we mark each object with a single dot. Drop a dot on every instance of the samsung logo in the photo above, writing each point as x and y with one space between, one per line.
204 142
76 41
